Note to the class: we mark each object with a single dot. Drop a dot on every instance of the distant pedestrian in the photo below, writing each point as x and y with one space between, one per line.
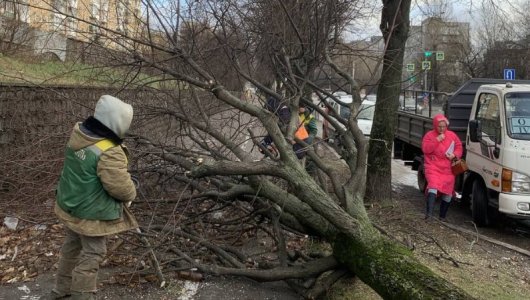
93 190
281 110
309 121
440 147
306 131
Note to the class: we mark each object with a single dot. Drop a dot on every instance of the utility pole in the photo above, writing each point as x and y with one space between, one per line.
433 77
427 55
425 80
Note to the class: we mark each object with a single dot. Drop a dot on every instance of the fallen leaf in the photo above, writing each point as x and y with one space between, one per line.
4 240
12 280
151 277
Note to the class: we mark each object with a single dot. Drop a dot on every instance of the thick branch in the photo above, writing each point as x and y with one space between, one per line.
299 271
264 167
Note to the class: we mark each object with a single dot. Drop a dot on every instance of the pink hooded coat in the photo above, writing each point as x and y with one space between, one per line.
437 165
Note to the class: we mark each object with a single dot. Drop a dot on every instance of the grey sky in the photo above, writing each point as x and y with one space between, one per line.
471 11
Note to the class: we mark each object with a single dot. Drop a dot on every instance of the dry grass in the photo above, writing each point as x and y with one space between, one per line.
485 270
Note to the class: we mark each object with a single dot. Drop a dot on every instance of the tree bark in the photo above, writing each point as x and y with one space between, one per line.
395 28
386 266
390 269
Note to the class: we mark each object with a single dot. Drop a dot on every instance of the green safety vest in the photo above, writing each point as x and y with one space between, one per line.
80 192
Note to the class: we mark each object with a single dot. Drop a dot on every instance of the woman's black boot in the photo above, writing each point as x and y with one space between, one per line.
444 207
431 198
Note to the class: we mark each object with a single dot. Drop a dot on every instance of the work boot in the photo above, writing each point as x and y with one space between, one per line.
444 207
429 207
82 296
63 281
53 295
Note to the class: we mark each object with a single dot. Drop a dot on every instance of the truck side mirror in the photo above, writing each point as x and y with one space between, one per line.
475 132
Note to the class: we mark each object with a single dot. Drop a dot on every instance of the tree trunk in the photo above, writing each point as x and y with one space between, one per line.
386 266
390 269
395 28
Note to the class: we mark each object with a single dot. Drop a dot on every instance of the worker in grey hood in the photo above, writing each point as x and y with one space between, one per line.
112 119
93 190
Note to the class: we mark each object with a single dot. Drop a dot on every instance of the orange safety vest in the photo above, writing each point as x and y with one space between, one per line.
301 132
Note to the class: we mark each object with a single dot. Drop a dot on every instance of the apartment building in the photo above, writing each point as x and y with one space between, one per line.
443 45
54 21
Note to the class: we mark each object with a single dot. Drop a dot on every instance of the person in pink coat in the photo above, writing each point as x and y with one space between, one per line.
440 146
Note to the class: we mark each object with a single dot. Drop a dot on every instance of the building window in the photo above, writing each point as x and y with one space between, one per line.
57 20
121 14
95 18
58 16
71 9
104 12
71 23
94 10
16 9
8 9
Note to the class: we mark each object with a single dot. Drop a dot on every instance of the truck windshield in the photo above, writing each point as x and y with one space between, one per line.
518 115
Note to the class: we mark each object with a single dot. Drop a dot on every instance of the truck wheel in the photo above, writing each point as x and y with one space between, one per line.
479 204
397 148
422 181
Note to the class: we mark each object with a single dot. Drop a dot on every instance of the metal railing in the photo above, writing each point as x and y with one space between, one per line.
425 103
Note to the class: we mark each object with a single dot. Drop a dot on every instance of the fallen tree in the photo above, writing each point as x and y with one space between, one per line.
196 146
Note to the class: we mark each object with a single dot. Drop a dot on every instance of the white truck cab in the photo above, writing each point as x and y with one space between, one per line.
498 151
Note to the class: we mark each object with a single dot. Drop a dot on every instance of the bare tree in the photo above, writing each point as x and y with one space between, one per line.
496 29
503 39
15 34
198 136
394 26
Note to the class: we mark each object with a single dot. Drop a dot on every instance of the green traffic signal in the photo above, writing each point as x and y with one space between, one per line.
427 53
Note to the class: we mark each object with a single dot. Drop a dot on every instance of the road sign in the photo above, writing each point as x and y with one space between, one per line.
509 74
411 67
425 65
440 55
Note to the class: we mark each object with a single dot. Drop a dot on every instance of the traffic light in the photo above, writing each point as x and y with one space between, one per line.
427 53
